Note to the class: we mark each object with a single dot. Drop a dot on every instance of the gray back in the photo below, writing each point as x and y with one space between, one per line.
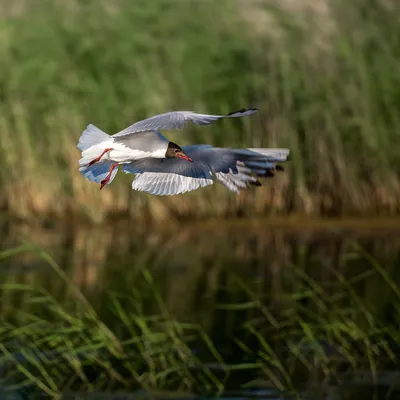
144 141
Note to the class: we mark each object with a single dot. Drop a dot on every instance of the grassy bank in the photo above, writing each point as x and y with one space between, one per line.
315 321
325 78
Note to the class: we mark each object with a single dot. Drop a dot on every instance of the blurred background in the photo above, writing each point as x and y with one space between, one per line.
324 75
291 288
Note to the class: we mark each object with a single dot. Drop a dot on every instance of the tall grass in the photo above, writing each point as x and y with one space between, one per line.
327 85
300 324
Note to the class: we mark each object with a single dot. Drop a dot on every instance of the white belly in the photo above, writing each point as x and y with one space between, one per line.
123 154
119 154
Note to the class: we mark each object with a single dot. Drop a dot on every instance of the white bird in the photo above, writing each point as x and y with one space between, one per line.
162 167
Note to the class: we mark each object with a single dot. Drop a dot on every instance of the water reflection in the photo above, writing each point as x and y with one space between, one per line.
243 284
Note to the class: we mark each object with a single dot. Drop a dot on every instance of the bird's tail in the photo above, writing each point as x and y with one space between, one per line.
98 171
91 136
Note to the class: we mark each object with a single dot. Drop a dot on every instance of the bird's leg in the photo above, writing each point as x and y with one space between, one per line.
107 178
99 157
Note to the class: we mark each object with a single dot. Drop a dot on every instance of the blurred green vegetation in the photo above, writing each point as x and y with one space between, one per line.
325 78
293 312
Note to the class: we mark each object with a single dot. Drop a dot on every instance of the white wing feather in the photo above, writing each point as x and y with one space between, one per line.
161 184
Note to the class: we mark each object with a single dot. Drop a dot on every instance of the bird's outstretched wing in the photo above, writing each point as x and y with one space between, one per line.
233 168
177 119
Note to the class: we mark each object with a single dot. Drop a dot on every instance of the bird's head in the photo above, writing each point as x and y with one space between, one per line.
174 151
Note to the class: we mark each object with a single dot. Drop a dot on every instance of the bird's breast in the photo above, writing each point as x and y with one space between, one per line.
124 154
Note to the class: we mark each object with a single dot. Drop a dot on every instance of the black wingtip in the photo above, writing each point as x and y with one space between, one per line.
256 183
243 110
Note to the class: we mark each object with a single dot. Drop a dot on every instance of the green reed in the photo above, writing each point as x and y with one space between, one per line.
60 342
53 346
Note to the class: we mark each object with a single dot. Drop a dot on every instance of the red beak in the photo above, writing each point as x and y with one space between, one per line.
185 157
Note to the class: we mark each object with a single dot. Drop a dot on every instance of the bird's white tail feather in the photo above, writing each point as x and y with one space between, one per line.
91 136
97 172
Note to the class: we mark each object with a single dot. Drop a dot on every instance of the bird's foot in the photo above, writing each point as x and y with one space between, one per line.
104 183
108 177
100 156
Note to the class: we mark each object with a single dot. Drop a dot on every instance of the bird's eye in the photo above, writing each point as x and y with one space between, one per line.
176 150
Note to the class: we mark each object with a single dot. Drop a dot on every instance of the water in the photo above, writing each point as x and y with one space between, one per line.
309 310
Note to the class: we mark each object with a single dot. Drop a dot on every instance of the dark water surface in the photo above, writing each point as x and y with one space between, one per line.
310 310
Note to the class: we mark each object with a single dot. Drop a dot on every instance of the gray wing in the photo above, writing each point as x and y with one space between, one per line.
177 119
233 168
